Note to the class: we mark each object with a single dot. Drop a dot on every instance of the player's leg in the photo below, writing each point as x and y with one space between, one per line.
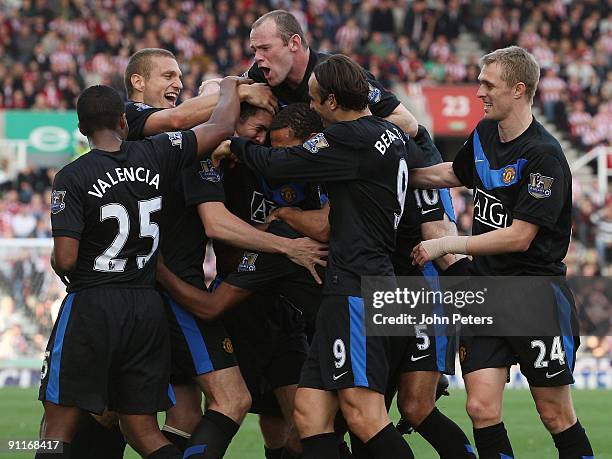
59 423
99 437
227 402
275 432
286 400
417 404
485 362
143 434
314 414
183 417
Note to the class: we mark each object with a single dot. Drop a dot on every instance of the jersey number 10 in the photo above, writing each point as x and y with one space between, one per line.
107 261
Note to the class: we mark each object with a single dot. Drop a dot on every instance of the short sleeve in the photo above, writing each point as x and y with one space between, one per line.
175 149
202 183
381 102
542 191
463 165
67 206
137 114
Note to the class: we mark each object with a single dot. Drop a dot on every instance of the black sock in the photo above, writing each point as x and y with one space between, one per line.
493 443
211 436
276 453
95 441
389 444
285 454
445 436
573 443
166 452
178 440
358 448
47 454
459 268
321 446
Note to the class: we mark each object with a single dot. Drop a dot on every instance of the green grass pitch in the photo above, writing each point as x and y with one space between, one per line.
21 414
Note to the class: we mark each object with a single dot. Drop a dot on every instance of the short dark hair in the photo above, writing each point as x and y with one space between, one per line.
300 118
140 64
247 110
345 79
99 107
286 25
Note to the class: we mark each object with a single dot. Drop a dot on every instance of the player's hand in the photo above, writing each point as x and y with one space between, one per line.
222 152
260 95
424 252
308 253
277 214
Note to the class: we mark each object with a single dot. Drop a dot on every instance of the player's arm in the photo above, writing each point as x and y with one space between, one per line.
403 119
515 238
222 225
199 109
202 304
439 176
223 119
64 255
311 223
438 229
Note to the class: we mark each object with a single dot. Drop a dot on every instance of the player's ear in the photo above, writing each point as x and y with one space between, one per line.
333 104
138 82
123 124
295 42
519 90
81 130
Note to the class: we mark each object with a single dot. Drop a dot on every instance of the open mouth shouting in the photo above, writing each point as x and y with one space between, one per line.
171 97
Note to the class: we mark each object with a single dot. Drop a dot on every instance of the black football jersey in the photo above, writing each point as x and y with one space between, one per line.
362 165
137 114
112 203
527 178
183 242
382 102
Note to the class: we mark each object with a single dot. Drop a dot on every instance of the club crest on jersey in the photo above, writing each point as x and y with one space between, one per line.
176 138
248 262
288 194
373 95
228 346
57 201
540 185
315 143
508 174
141 106
209 172
462 353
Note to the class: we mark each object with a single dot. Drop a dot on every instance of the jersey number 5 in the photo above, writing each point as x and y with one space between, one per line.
107 261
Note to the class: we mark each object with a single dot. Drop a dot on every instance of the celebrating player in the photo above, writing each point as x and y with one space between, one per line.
109 346
522 224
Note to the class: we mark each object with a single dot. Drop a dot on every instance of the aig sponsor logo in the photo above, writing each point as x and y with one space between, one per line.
260 207
489 210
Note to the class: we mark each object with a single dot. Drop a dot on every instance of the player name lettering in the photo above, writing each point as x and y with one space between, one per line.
386 139
124 174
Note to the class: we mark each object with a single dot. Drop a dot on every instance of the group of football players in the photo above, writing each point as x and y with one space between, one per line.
326 176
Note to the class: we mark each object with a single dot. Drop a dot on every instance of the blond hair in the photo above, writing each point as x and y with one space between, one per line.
517 66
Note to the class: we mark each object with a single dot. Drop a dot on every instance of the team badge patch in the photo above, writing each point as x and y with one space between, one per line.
176 138
140 106
209 172
248 262
288 194
462 353
540 185
315 143
373 95
508 174
57 201
228 346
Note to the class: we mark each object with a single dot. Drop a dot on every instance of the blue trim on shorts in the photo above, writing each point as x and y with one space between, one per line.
504 456
433 279
358 341
565 322
193 336
193 450
171 395
53 385
470 449
447 203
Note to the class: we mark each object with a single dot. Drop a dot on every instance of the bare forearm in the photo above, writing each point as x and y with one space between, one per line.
222 225
503 240
311 223
405 120
433 177
438 229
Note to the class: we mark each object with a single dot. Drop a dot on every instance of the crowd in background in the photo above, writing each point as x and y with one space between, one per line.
52 49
